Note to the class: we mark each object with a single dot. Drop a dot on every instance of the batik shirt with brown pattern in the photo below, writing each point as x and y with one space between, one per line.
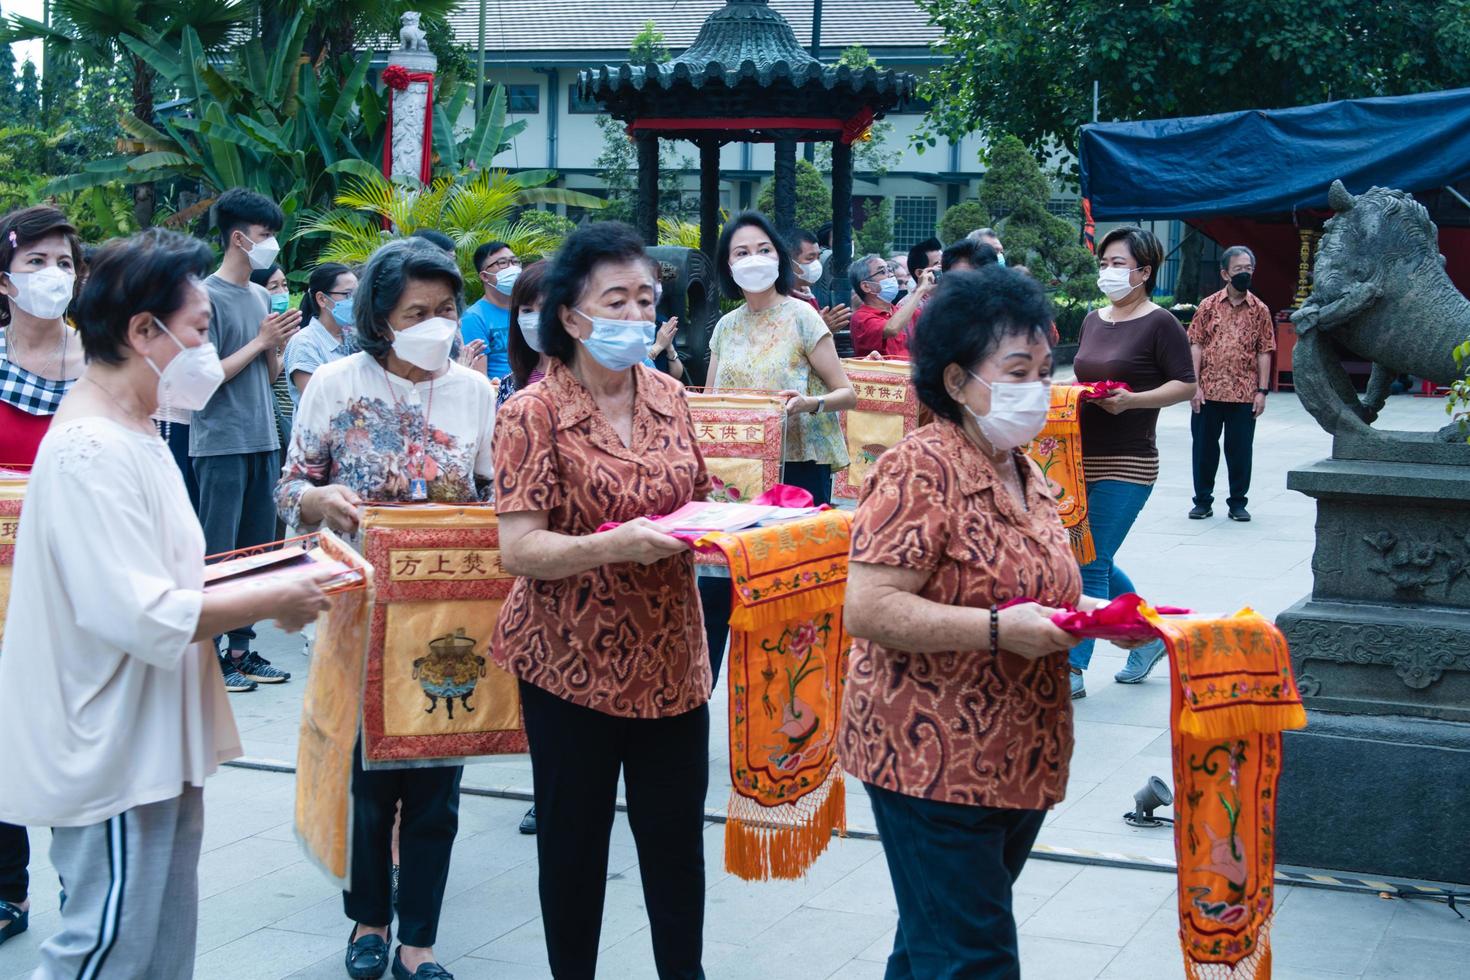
965 726
624 639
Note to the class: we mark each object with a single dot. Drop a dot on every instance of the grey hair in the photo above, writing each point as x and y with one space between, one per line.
980 234
385 277
1231 252
857 273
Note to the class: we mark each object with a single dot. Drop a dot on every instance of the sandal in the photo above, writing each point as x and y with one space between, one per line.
20 921
367 956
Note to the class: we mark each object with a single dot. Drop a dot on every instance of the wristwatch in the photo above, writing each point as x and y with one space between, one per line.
1263 391
821 404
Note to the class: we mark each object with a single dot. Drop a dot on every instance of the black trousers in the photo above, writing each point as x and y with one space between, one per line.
714 592
576 755
425 839
15 855
237 508
1235 420
952 868
178 445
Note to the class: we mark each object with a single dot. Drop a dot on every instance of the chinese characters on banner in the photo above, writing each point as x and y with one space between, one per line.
887 410
742 437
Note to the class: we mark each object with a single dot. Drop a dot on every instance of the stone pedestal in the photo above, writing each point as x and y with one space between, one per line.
1379 781
410 115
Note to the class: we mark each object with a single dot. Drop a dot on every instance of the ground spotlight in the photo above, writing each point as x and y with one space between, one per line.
1155 793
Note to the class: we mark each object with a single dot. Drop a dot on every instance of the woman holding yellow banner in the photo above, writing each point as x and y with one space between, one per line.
957 716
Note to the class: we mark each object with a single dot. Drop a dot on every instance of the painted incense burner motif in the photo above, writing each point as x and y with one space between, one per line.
450 671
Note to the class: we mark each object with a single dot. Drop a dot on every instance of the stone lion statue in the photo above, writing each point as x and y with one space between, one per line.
412 36
1379 290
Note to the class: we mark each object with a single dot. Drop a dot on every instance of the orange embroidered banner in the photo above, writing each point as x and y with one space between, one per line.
1058 451
1233 695
330 710
742 437
432 693
887 410
787 666
12 495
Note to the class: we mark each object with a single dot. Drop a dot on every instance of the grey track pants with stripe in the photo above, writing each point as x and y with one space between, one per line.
132 894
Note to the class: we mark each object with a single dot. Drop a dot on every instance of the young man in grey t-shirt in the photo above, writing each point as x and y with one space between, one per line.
232 440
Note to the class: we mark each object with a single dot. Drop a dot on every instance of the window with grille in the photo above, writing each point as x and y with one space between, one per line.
914 219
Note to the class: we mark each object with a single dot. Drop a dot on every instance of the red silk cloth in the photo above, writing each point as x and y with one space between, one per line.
398 78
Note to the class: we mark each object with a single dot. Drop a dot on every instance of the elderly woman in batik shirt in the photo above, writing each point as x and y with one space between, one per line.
399 421
957 715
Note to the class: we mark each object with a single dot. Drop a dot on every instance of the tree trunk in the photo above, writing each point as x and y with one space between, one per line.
145 199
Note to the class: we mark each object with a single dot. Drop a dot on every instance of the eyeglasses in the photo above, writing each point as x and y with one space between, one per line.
499 265
341 293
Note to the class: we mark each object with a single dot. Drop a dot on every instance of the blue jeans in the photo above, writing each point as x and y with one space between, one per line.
1112 507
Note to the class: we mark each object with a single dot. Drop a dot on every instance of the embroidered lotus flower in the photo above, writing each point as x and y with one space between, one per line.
1047 446
803 639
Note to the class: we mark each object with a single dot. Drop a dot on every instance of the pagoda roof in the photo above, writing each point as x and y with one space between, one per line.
745 64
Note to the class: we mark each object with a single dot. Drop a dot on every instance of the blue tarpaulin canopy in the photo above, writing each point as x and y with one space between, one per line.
1269 161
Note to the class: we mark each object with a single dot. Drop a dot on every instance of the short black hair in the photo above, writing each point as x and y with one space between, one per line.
240 207
147 273
27 226
571 268
262 276
786 268
383 281
323 278
919 254
435 237
1143 247
485 251
801 237
970 250
965 321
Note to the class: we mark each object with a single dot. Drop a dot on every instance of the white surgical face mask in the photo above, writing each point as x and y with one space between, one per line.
262 255
1017 412
812 271
1114 283
530 324
755 273
45 293
191 378
426 344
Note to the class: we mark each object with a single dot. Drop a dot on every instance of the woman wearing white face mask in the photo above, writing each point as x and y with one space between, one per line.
953 522
1138 342
114 709
602 629
398 421
40 356
528 364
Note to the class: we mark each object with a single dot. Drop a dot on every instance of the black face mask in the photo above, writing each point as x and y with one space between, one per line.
1241 281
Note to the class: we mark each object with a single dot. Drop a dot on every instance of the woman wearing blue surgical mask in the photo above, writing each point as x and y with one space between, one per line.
328 335
399 421
602 629
273 278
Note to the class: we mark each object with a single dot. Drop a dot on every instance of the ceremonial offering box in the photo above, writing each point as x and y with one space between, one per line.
887 410
743 439
432 693
12 493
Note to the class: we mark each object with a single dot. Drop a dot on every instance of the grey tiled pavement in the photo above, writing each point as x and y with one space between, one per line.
266 913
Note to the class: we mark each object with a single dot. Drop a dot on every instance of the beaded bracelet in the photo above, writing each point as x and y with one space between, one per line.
994 629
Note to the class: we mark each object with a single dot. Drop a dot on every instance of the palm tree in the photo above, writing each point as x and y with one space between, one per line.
472 208
95 32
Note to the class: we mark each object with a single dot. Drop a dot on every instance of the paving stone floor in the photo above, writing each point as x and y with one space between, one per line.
267 913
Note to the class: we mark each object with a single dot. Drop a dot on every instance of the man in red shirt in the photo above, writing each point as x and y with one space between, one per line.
879 326
1231 338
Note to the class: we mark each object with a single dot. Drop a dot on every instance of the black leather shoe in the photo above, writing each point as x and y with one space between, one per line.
428 971
367 957
528 822
1240 514
1201 511
19 921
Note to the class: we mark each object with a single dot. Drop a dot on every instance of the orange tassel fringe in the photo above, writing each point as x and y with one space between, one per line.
784 841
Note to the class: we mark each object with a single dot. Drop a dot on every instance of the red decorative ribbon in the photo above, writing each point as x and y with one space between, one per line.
848 130
398 78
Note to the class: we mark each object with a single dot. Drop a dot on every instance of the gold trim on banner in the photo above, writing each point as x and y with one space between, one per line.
429 516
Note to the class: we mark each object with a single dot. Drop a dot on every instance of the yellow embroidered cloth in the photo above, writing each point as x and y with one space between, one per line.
330 709
12 495
1058 451
742 438
432 693
1233 695
787 667
887 409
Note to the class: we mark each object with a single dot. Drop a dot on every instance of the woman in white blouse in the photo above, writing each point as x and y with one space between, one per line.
114 710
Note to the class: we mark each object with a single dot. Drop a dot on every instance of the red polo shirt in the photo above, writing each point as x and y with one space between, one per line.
867 334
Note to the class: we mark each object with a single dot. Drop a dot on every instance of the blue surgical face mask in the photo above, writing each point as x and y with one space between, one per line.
505 279
619 344
280 302
888 289
342 312
1000 258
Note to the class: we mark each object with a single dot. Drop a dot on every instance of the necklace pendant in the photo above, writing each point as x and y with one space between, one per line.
418 489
